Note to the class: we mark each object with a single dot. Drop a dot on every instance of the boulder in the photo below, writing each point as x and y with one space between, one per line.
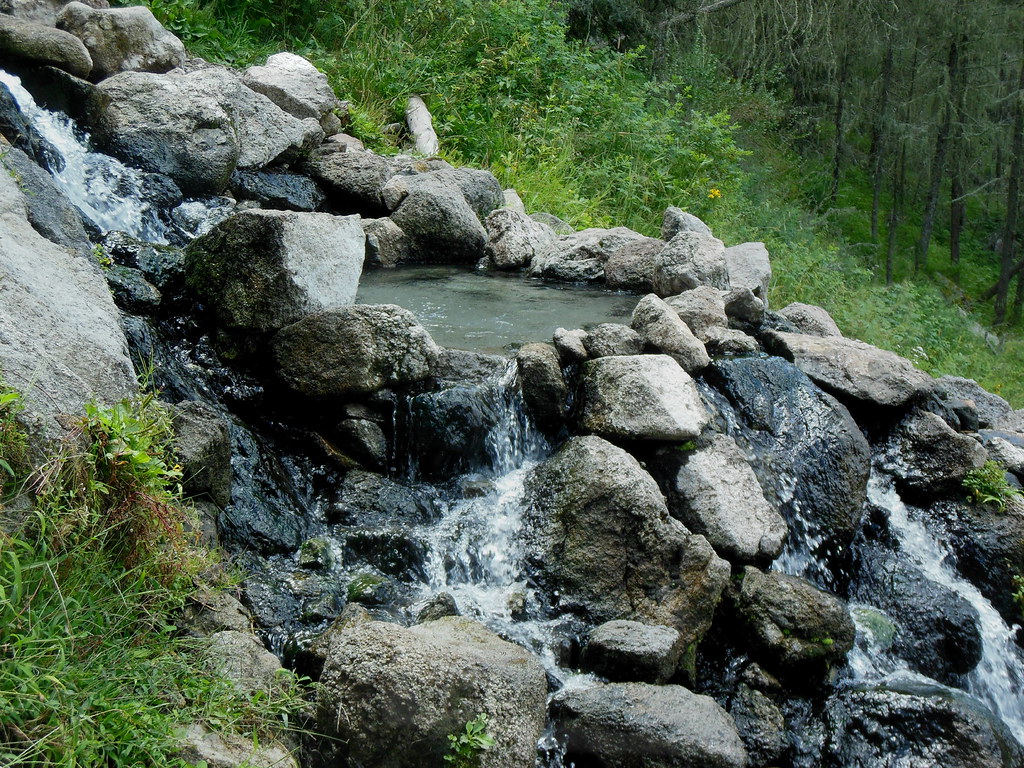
278 189
242 659
854 371
479 188
369 500
689 260
224 749
365 442
720 342
203 448
353 180
214 610
611 339
677 220
701 308
61 342
749 267
41 11
581 256
928 457
122 39
810 319
386 243
628 651
744 310
259 271
513 201
162 265
570 345
641 397
957 393
353 350
631 267
38 44
715 493
597 532
661 329
389 696
1006 449
812 460
636 725
761 725
544 389
513 239
798 629
293 84
131 291
560 227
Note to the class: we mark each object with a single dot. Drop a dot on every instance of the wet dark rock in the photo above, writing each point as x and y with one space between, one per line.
131 291
749 267
937 631
391 551
609 339
631 267
628 651
19 132
278 189
690 260
811 458
203 447
798 629
439 606
923 725
663 330
365 441
316 554
636 725
163 266
544 389
390 696
677 220
580 257
761 725
958 392
370 500
57 90
927 457
589 509
641 397
371 588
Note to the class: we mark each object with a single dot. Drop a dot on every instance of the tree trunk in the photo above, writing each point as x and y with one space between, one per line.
895 211
878 142
957 205
1012 203
837 154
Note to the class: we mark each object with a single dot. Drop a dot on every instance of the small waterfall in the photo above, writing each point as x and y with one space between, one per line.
998 680
110 194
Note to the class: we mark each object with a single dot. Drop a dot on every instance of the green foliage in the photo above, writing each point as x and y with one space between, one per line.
1018 595
14 462
464 749
987 485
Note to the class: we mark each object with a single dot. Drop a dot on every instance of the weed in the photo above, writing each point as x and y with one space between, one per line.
464 749
987 485
14 463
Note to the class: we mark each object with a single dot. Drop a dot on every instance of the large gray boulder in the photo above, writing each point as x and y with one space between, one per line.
598 533
225 749
353 350
928 457
41 11
853 370
61 343
544 389
810 319
609 339
677 220
636 725
34 43
688 260
631 267
641 397
389 696
715 492
700 308
294 84
194 125
798 629
663 330
259 271
629 651
749 267
122 39
354 180
581 256
514 239
386 243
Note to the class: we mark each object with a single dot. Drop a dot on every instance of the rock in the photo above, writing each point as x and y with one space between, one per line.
341 142
162 265
212 610
928 457
230 750
810 319
797 628
610 339
259 271
715 493
390 695
369 500
293 84
590 509
989 408
631 267
628 651
937 631
855 371
919 723
700 308
813 462
689 260
479 188
61 342
635 725
677 220
353 350
50 211
38 44
455 367
243 660
386 243
41 11
131 291
544 389
560 227
750 267
421 127
353 180
660 327
366 441
1006 449
1011 422
727 341
641 397
513 238
277 189
193 125
122 39
571 345
761 725
580 257
202 446
744 310
513 201
439 606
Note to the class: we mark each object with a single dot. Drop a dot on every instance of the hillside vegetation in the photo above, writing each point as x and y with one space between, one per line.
607 113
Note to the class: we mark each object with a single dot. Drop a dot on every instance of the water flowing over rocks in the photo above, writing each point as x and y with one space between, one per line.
928 457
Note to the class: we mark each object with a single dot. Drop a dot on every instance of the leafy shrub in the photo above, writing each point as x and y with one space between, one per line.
987 485
13 442
465 748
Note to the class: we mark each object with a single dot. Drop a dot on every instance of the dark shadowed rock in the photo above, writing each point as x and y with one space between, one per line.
927 456
988 408
663 330
689 260
386 243
277 189
353 180
628 651
370 500
131 291
635 725
761 725
544 389
744 310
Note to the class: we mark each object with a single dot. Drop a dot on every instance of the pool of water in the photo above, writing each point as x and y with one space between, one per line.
490 312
